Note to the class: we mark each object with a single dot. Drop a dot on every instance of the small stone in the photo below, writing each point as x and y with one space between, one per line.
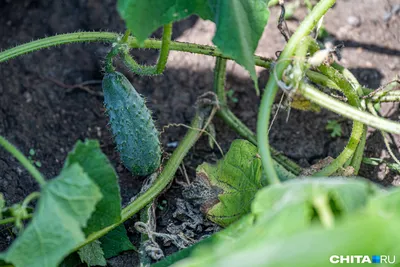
28 97
354 21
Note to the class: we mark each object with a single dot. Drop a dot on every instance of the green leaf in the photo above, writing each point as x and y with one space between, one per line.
116 242
89 156
334 127
64 208
92 254
357 235
386 204
143 17
278 206
238 175
283 211
239 23
284 234
346 194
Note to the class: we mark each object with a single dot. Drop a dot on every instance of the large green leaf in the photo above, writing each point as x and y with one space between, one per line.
64 208
108 211
357 235
284 235
345 194
238 175
278 206
143 17
239 23
89 156
386 205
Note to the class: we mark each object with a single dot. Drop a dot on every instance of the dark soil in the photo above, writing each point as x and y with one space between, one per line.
36 112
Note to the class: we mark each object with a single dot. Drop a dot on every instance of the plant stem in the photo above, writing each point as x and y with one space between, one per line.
166 40
162 58
13 219
162 181
272 87
390 98
194 48
350 77
23 160
111 37
347 111
29 198
386 96
77 37
321 204
357 131
321 79
126 36
219 81
135 67
108 65
358 154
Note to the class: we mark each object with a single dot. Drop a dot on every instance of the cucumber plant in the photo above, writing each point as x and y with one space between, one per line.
264 207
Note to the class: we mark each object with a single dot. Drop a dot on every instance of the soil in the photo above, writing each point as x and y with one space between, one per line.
39 111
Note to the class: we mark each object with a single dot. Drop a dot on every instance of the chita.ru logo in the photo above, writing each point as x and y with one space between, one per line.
376 259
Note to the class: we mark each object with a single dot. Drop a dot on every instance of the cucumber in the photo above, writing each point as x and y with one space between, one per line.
135 135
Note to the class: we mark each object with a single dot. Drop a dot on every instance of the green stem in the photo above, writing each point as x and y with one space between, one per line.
358 127
13 219
23 160
162 181
272 87
389 98
29 198
77 37
166 40
162 59
109 67
348 111
321 205
111 37
135 67
194 48
219 81
386 96
236 124
126 36
358 154
321 79
350 77
339 78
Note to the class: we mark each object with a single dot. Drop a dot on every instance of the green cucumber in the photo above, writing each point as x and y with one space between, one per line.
135 135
